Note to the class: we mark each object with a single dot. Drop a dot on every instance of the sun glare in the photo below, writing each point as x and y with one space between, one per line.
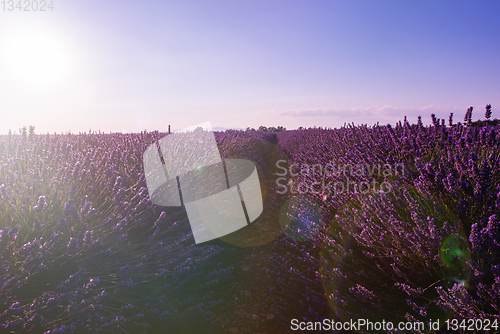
36 58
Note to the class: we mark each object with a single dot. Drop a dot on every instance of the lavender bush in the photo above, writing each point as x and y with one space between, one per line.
425 250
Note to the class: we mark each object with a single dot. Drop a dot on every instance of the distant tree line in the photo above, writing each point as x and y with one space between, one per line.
268 129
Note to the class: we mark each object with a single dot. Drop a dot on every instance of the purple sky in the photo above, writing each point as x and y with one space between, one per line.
135 65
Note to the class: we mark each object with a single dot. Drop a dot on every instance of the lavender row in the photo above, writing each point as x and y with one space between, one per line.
425 249
83 248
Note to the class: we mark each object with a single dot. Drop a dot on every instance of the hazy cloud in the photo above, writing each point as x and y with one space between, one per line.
375 114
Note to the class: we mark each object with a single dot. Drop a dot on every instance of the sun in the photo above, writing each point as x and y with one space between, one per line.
36 58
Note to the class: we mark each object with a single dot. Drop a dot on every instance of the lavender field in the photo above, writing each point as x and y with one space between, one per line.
83 249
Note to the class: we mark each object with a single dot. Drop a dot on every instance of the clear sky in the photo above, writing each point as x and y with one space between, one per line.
134 65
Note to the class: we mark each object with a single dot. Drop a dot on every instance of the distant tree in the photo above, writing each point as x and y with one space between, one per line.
10 135
269 129
450 119
419 123
487 115
272 128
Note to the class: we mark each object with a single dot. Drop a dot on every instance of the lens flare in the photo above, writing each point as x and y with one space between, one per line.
454 253
264 155
300 218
